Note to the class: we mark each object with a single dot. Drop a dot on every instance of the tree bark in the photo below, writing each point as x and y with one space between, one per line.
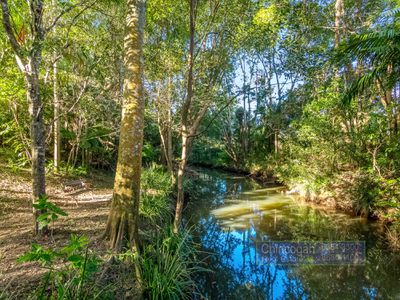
338 19
122 225
169 132
276 141
29 64
185 120
38 144
166 143
57 121
180 182
164 120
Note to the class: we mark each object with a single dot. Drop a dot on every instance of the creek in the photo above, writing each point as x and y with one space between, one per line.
233 218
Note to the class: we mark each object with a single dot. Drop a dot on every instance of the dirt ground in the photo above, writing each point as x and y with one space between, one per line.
87 210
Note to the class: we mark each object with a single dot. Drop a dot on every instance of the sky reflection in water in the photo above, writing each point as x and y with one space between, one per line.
232 215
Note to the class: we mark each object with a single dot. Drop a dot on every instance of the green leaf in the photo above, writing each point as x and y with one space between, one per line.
75 258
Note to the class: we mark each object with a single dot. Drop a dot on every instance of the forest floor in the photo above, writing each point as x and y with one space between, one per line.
87 214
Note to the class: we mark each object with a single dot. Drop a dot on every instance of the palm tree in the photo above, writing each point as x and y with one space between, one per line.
378 49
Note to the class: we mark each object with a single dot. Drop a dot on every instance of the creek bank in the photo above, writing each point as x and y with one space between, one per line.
323 198
341 199
227 169
262 178
341 194
344 195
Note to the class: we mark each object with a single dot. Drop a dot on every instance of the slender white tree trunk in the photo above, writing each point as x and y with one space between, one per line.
180 182
57 121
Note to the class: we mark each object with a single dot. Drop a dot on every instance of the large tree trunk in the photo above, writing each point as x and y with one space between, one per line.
122 227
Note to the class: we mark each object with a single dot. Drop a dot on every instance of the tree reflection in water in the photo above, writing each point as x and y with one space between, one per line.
232 215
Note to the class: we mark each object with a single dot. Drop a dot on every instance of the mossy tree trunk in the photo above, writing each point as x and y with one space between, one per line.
122 227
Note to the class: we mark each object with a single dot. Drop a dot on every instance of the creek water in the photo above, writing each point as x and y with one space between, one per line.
232 216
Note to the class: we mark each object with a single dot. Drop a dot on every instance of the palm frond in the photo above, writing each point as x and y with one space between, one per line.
359 86
392 13
373 45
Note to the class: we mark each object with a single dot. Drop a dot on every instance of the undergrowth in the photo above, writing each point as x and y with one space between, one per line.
167 262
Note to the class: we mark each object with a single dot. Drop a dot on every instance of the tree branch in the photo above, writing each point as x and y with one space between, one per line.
10 35
218 113
64 11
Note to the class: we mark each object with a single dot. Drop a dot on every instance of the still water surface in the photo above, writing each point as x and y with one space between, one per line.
233 215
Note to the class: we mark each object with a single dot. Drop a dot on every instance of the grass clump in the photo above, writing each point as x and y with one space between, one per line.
156 185
168 266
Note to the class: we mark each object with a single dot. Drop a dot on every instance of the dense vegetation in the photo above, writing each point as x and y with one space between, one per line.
305 92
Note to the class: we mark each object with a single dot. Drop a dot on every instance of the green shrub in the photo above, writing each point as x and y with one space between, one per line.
74 171
155 177
388 197
50 212
68 170
374 195
156 186
71 280
168 266
363 193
